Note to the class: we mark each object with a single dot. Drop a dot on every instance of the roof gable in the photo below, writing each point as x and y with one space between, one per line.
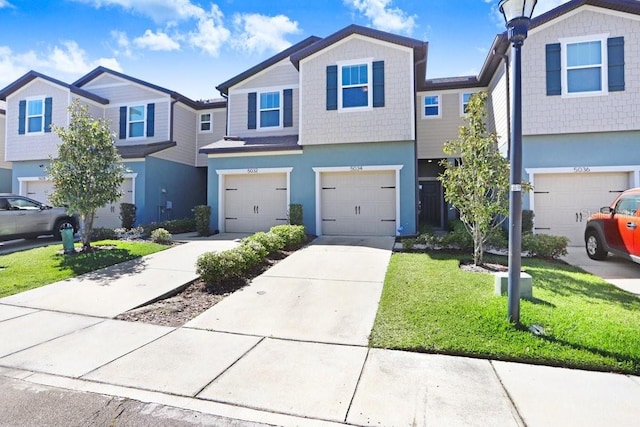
224 87
32 75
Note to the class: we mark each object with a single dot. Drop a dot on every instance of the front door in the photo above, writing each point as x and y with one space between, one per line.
431 203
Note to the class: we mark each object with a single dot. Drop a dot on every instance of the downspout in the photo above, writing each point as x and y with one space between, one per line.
505 58
226 119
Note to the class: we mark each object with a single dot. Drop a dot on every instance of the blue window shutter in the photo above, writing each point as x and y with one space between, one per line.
22 116
287 119
554 69
615 56
48 104
332 87
252 110
378 83
123 123
151 119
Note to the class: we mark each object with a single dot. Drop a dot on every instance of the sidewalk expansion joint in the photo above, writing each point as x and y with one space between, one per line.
355 390
514 408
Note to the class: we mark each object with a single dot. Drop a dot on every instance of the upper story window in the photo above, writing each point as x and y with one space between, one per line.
34 115
431 106
354 84
270 109
464 102
206 122
585 66
136 119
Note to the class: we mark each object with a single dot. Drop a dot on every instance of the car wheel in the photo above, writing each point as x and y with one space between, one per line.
62 224
593 244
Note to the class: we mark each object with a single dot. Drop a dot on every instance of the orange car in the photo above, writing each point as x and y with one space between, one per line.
616 228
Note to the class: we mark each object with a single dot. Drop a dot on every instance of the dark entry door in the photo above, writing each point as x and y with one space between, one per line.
431 203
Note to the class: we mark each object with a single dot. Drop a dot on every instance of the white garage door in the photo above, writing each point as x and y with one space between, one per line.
109 216
563 202
39 190
255 202
358 203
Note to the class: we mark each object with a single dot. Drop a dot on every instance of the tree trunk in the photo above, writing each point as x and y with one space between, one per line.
86 231
477 245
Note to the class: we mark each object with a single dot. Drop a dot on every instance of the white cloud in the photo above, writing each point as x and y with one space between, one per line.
259 33
383 16
156 41
158 10
210 33
123 44
65 62
5 3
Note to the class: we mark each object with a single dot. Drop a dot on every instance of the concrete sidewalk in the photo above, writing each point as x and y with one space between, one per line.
290 349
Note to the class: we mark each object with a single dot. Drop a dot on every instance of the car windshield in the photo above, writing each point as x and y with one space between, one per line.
17 203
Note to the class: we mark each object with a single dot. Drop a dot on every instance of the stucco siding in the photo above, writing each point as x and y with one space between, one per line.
614 111
40 145
218 131
184 134
278 75
238 104
303 177
393 122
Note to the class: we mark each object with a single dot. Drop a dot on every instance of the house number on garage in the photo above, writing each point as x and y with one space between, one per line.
581 169
355 168
252 170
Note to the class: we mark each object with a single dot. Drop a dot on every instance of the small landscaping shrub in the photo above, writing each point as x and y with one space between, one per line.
544 245
128 234
160 235
458 236
271 241
408 244
173 226
127 215
215 268
257 247
498 239
293 236
295 214
250 258
101 233
527 222
203 217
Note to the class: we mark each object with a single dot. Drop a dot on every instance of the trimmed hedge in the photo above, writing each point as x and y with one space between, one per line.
160 235
216 268
545 245
174 226
203 217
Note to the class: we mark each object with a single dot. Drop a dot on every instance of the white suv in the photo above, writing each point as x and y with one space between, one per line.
21 217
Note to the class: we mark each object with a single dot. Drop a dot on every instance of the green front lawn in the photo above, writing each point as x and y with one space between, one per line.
430 305
21 271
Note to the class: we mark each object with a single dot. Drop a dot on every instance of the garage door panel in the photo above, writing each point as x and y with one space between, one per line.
109 216
358 203
255 202
563 202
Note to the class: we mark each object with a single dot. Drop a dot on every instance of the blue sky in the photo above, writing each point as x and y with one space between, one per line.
191 46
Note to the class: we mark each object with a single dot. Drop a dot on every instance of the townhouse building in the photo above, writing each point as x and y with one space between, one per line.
349 127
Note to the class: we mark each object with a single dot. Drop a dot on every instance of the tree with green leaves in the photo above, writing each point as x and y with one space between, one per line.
88 171
477 185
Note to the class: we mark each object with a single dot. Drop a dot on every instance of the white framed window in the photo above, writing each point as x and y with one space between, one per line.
270 110
355 89
464 102
584 65
206 123
136 121
35 115
432 108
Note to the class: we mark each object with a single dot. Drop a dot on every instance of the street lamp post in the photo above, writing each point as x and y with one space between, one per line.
517 16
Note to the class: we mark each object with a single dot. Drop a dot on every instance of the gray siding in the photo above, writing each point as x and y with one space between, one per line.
184 134
219 127
615 111
161 132
393 122
3 163
238 106
35 146
498 114
281 74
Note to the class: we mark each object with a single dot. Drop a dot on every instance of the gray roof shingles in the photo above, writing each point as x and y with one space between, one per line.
263 143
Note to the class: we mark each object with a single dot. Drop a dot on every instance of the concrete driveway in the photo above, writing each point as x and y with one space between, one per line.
618 271
327 292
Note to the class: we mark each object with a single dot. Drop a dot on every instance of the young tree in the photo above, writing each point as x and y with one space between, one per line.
478 185
88 171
